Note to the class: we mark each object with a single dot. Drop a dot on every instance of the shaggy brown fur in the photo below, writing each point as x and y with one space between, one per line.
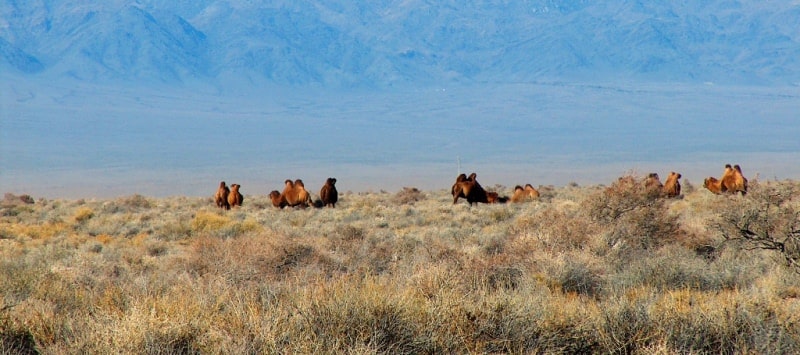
295 194
653 182
459 178
733 181
532 192
727 178
522 194
235 198
328 193
740 179
494 197
277 199
672 187
519 194
221 197
469 189
713 185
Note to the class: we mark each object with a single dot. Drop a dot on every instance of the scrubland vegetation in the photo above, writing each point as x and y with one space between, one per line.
597 269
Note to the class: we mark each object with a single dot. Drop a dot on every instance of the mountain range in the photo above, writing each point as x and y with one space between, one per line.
342 43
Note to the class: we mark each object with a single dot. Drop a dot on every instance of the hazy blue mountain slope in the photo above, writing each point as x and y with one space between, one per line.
13 58
111 41
345 43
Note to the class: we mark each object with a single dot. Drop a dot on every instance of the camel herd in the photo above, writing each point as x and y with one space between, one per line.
732 181
226 198
294 195
670 188
467 187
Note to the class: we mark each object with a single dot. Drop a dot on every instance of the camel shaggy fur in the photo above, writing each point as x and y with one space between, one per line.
295 194
235 198
672 187
277 199
221 197
523 194
733 181
469 189
713 184
328 194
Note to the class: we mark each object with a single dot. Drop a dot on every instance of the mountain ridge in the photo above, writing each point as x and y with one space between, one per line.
333 43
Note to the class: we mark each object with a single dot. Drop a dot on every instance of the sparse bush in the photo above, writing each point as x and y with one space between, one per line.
644 228
507 278
290 257
558 228
136 201
768 218
127 204
83 214
547 193
219 225
500 214
633 215
625 195
15 339
209 222
347 239
494 246
364 315
683 317
580 278
687 187
96 248
171 340
587 270
671 269
625 326
157 249
174 230
10 199
351 233
408 196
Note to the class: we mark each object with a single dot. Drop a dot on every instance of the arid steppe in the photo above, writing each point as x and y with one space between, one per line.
583 269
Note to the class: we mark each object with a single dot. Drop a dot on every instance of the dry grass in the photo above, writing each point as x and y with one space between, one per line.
584 269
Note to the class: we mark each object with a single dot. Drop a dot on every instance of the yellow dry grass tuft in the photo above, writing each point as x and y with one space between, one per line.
83 214
209 221
585 270
104 238
38 231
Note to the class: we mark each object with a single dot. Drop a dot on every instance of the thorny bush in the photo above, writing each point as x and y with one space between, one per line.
768 218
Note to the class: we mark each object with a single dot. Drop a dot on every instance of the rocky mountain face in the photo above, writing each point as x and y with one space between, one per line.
338 43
